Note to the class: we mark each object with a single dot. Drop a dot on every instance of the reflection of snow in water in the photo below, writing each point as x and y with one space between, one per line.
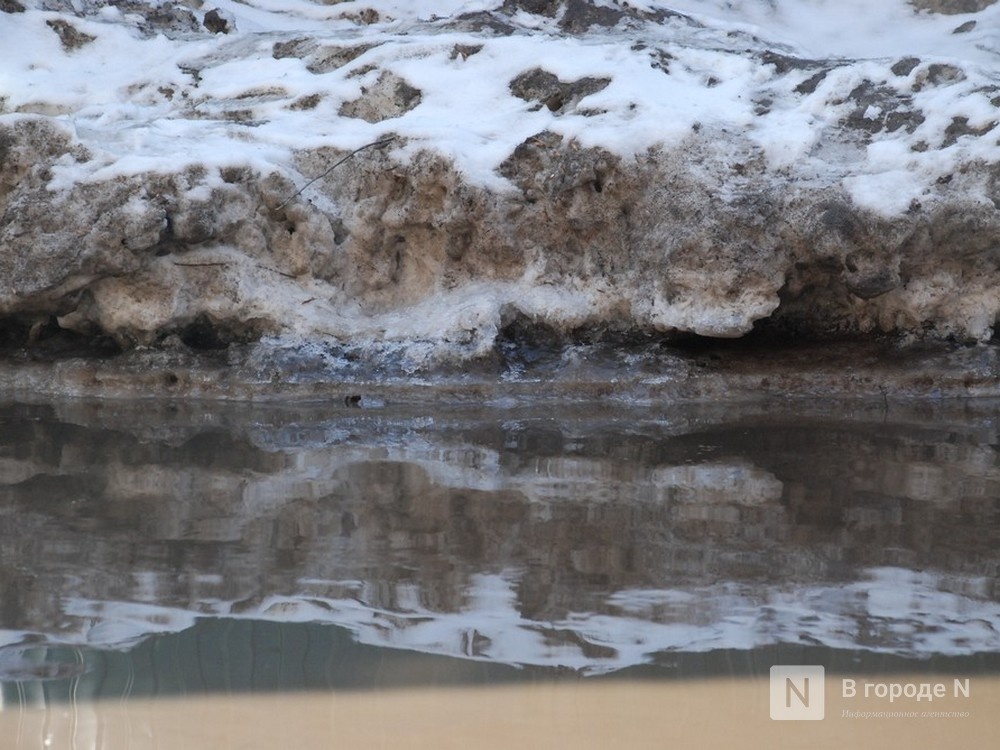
892 611
582 546
710 483
28 663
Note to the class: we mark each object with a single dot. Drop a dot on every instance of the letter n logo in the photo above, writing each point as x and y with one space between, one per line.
797 693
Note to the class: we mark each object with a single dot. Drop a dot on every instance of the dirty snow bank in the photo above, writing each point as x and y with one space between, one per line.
173 175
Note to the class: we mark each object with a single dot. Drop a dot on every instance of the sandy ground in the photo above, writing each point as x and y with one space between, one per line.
704 714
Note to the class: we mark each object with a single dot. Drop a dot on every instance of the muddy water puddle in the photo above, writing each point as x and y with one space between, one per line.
443 572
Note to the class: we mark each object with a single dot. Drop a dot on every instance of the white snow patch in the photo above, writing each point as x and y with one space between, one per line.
851 29
162 104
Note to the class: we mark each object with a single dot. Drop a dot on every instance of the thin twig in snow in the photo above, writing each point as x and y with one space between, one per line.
275 270
299 192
